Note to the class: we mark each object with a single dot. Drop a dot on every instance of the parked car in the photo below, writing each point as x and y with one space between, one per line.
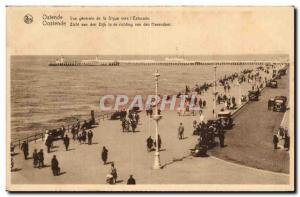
226 119
280 103
253 95
274 84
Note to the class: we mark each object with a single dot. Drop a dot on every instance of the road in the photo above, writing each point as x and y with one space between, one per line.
250 141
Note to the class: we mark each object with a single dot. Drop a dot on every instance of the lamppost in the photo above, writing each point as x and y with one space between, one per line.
215 90
156 117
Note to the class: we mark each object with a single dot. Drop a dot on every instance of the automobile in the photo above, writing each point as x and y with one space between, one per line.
56 134
280 103
282 71
253 95
226 119
268 83
273 84
116 115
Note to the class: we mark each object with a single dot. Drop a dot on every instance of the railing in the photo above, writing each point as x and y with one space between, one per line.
40 135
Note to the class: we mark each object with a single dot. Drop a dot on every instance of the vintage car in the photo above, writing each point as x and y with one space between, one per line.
282 71
56 134
280 103
116 115
226 119
273 84
253 95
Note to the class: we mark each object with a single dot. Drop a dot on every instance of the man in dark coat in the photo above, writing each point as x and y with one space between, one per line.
275 141
83 136
41 158
159 142
90 137
180 131
104 155
35 158
25 149
221 138
54 166
48 143
287 143
66 142
131 181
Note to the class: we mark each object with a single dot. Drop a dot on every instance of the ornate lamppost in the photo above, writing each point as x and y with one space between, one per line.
215 91
156 117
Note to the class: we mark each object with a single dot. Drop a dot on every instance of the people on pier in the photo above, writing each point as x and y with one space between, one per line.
114 172
287 143
149 143
131 180
90 137
180 131
104 155
221 138
275 141
55 166
83 136
67 142
49 142
25 149
35 158
41 158
159 142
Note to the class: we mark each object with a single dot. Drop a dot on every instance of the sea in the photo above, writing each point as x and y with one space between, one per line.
44 97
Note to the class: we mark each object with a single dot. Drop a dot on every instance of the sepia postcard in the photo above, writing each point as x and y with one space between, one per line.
150 98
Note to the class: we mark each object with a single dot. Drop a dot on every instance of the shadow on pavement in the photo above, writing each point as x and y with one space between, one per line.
175 160
16 169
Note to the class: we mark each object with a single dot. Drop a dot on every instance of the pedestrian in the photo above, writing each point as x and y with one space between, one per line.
90 137
104 155
114 172
287 143
25 149
269 104
83 136
180 131
275 141
48 142
200 102
204 104
73 131
159 142
131 180
149 143
35 158
55 166
66 142
221 138
41 158
79 138
12 164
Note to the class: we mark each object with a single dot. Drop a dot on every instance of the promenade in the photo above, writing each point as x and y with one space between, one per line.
82 163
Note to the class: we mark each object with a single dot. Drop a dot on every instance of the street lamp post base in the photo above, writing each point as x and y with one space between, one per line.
156 164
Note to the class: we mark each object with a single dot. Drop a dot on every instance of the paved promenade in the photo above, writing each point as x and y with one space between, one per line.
82 163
